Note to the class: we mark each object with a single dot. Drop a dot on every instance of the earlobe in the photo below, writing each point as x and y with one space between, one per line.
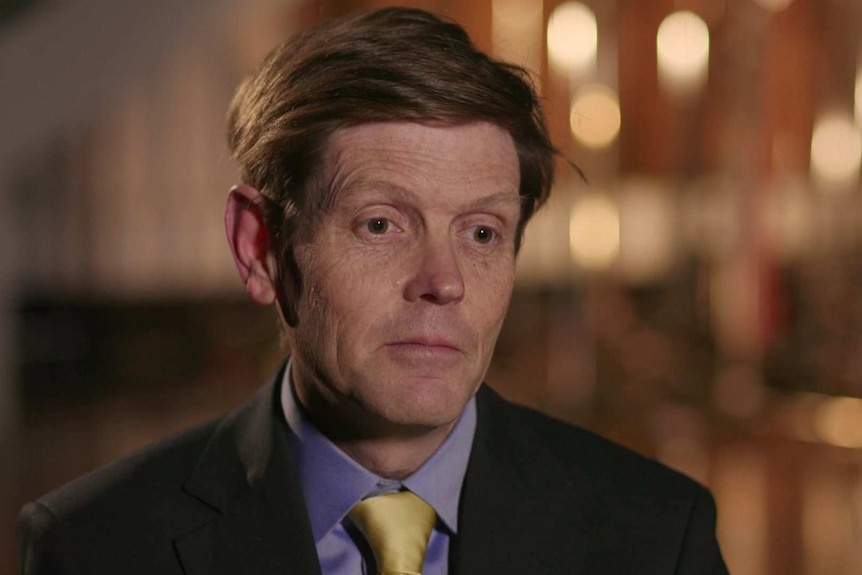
249 242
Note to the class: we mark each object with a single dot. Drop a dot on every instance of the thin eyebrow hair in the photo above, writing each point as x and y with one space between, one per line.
494 199
497 198
381 186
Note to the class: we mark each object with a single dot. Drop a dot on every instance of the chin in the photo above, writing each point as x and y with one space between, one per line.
423 402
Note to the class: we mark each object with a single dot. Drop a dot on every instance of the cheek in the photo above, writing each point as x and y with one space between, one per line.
491 294
496 314
495 279
347 297
316 306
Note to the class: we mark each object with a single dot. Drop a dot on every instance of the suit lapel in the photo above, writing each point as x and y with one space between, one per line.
514 519
522 510
246 475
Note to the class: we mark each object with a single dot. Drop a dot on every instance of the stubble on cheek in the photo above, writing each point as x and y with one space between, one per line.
325 310
309 335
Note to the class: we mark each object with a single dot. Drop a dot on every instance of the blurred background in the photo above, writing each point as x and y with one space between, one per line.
700 299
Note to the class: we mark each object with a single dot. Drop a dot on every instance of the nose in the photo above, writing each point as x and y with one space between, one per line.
436 276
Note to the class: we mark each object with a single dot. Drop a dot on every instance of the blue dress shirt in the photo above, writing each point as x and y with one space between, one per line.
332 483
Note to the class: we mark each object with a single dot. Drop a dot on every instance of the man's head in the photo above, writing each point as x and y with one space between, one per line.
392 167
387 65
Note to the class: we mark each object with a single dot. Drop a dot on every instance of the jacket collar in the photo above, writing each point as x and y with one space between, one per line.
247 476
522 510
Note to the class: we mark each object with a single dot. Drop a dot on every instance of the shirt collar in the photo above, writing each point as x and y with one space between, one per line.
332 482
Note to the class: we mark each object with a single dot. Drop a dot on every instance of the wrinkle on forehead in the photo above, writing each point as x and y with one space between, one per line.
409 155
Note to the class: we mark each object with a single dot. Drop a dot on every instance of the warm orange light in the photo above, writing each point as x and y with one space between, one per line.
682 46
648 231
838 421
594 231
572 38
595 116
836 150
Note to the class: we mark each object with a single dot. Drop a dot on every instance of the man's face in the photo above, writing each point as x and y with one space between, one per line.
407 277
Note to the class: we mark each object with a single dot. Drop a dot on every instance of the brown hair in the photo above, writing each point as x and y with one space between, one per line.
387 65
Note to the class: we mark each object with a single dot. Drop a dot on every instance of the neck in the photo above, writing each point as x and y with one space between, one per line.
387 449
393 458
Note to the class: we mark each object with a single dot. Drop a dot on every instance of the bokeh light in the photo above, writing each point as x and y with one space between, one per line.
648 231
836 149
682 47
594 231
595 116
838 421
572 38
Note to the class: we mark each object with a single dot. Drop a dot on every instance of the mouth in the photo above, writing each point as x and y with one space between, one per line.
420 346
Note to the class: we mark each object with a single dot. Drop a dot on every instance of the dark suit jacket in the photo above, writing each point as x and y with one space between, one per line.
540 497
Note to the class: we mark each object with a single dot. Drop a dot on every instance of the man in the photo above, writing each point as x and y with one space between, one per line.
389 171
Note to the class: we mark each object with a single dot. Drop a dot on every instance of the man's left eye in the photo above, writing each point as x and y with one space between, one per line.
377 226
483 234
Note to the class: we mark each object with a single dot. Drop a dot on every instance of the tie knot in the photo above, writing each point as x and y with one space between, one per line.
397 527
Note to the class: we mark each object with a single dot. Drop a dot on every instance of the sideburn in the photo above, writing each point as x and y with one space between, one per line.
288 275
290 288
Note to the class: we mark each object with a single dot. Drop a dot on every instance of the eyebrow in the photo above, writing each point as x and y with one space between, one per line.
496 199
388 188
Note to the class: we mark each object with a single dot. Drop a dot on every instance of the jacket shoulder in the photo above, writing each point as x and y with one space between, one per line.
606 508
138 479
127 516
574 449
121 514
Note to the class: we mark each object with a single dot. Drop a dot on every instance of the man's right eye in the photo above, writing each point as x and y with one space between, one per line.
377 226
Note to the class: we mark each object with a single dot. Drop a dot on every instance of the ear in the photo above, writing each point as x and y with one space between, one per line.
250 243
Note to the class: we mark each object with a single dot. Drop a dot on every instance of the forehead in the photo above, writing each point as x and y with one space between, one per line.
471 159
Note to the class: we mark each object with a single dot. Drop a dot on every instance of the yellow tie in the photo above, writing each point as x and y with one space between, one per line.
397 526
